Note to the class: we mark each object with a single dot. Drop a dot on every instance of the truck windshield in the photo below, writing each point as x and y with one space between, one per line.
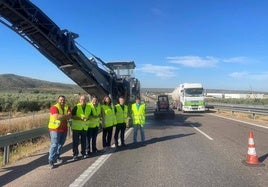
194 92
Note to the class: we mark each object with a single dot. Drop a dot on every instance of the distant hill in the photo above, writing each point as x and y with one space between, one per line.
11 82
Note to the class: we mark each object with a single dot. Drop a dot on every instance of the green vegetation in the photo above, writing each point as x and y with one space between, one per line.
239 101
23 94
30 102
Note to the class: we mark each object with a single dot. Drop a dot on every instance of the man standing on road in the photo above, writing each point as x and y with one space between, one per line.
60 113
80 116
93 126
138 117
121 113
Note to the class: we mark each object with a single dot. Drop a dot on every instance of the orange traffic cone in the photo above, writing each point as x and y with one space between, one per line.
252 158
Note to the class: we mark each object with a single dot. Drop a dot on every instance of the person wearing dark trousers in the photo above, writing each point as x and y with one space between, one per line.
80 117
93 127
121 113
108 121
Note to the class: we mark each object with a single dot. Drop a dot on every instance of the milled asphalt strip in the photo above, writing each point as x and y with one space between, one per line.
202 132
252 124
89 172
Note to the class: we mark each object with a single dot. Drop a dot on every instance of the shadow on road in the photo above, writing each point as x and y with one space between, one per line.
263 157
181 119
14 172
152 141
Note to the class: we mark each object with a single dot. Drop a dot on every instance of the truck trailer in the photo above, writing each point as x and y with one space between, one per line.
189 97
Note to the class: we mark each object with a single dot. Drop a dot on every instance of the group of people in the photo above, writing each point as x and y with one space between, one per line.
86 119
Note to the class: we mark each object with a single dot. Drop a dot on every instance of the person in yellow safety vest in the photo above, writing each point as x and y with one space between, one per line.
93 126
60 113
138 117
121 113
108 121
80 122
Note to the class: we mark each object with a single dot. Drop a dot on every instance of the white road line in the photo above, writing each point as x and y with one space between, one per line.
252 124
202 132
89 172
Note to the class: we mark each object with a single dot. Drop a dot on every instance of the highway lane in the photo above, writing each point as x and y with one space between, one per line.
175 154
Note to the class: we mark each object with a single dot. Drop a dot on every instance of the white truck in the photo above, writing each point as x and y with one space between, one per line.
189 97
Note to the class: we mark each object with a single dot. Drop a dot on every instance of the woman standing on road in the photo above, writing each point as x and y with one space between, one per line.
108 121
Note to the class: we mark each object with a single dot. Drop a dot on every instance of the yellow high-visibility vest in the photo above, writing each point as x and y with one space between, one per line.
95 111
54 123
78 124
121 115
109 116
138 115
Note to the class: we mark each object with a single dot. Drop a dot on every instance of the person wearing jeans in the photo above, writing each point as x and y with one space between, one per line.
136 128
57 142
60 113
138 117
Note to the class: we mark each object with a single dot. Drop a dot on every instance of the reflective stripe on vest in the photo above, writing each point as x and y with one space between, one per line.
109 116
138 115
53 123
121 115
79 124
95 111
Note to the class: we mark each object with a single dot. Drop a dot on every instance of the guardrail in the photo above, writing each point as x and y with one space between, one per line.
18 137
254 110
10 139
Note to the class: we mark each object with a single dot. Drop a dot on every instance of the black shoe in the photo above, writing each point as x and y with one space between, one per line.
123 145
75 158
95 151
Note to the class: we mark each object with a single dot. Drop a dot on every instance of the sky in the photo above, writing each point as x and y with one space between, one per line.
222 44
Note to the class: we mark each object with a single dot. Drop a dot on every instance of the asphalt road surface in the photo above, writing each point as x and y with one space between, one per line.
195 149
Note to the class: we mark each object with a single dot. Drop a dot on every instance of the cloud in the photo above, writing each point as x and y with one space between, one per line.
194 61
239 59
159 71
263 76
238 74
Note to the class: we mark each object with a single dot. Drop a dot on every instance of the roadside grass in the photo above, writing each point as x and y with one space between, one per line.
260 119
23 123
26 148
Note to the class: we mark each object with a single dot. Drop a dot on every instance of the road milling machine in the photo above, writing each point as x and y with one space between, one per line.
58 45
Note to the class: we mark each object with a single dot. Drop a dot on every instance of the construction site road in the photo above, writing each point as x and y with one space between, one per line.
194 149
